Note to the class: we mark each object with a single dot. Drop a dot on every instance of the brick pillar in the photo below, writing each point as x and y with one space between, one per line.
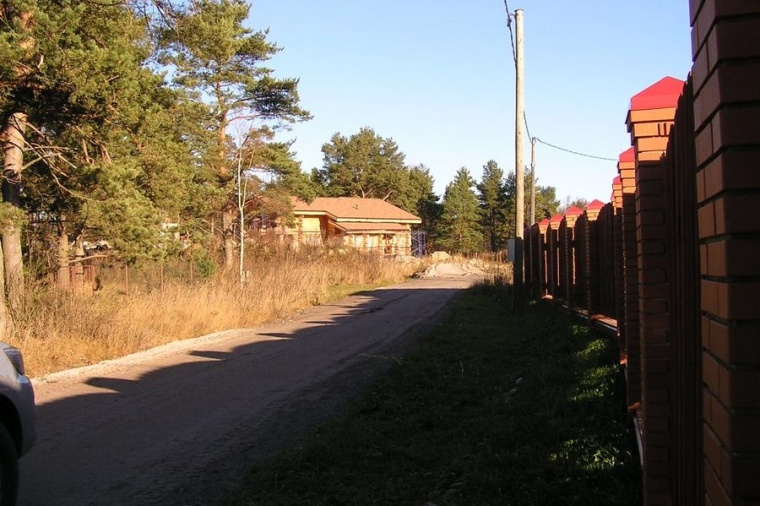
580 293
592 263
527 261
543 266
605 253
619 259
629 316
726 76
649 121
553 257
569 259
535 261
581 263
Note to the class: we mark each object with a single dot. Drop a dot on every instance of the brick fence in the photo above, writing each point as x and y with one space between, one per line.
672 264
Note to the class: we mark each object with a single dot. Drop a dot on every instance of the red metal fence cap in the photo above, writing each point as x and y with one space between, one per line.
662 94
629 155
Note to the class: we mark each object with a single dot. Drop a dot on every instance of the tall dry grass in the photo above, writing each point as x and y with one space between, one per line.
62 330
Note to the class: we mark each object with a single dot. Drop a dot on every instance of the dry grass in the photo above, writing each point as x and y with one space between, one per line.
60 331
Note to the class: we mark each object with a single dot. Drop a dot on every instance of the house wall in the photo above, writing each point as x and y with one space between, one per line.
316 230
306 230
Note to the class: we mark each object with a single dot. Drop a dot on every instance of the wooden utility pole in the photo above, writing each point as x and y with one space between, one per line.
519 165
519 115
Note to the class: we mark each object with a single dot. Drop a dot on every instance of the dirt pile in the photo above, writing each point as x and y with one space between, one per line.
453 268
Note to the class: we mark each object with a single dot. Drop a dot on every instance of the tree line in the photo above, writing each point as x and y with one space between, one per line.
469 217
116 117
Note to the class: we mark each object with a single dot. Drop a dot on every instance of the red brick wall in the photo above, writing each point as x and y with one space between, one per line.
726 75
684 279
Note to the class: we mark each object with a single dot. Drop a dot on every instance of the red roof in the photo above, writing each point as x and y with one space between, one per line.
545 222
556 218
617 180
629 155
573 211
595 205
661 95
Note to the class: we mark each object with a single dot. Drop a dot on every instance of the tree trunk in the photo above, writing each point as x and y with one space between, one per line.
6 319
79 254
13 155
228 238
241 241
64 265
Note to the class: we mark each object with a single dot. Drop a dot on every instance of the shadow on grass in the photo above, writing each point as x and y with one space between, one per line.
493 408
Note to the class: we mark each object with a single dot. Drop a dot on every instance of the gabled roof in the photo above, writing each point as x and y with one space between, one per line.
354 209
595 205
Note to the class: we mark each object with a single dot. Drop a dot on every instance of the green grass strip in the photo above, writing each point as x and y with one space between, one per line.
493 408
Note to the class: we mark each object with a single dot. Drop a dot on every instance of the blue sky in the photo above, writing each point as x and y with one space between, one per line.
438 77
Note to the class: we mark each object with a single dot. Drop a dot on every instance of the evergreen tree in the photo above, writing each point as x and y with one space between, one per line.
220 60
546 201
422 201
88 133
363 165
286 175
492 198
460 229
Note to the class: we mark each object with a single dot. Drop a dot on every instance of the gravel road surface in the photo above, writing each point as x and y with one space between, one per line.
178 424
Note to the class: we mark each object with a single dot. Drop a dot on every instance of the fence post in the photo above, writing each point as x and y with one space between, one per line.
683 275
591 259
727 115
619 282
629 316
543 253
553 256
649 122
569 258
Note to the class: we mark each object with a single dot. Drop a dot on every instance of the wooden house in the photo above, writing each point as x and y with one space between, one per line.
371 225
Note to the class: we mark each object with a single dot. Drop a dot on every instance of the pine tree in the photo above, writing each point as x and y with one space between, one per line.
363 165
492 198
546 201
88 130
460 229
217 58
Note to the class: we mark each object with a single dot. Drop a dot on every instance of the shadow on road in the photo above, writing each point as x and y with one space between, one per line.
181 426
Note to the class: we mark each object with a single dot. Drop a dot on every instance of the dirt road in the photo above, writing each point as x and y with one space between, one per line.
176 425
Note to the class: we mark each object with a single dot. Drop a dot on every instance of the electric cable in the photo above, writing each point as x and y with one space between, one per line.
576 152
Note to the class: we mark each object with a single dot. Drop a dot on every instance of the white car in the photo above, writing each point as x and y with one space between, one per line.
17 420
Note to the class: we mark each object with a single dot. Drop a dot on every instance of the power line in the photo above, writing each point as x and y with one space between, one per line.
511 34
527 129
576 152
